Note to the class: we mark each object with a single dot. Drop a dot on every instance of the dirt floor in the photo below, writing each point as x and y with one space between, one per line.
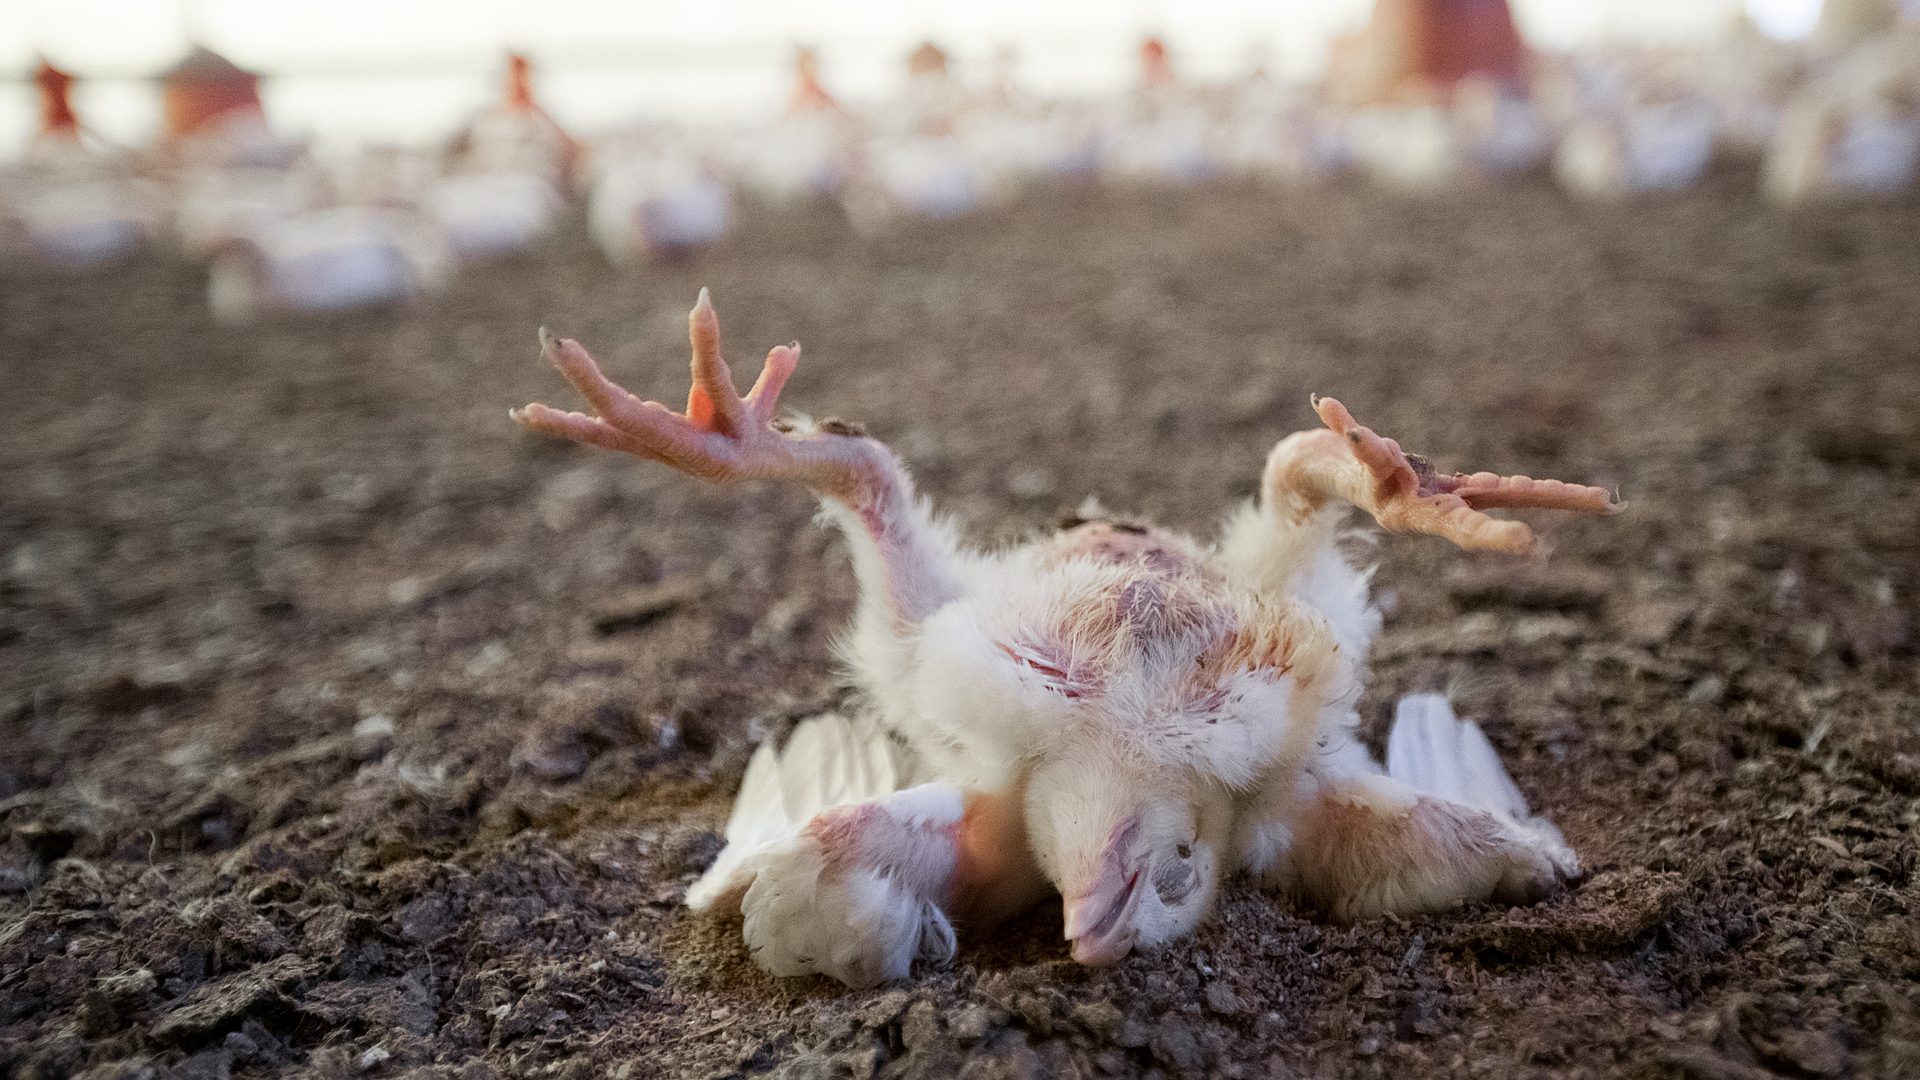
350 730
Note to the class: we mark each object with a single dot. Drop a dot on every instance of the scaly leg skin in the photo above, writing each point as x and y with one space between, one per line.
1403 492
1284 547
865 890
902 555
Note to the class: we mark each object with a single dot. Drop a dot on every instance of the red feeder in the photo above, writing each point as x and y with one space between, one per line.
1155 68
1416 50
810 95
928 59
519 92
206 89
57 118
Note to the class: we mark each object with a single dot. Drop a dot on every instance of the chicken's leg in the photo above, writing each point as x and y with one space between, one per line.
1444 826
902 555
1284 548
1307 471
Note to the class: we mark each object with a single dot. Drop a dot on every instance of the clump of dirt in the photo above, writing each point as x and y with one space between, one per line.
351 731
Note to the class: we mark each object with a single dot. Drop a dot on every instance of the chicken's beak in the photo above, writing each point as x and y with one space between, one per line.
1100 915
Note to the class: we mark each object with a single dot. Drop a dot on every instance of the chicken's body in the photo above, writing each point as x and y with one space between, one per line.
1118 713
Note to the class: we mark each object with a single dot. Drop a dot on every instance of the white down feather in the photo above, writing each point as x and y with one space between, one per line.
827 762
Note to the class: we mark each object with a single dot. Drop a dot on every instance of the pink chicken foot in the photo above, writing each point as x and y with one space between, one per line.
1405 493
726 437
722 436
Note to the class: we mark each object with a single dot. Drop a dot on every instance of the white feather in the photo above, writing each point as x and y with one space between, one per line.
758 814
827 762
657 206
1432 750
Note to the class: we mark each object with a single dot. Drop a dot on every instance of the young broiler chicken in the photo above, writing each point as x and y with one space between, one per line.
1117 713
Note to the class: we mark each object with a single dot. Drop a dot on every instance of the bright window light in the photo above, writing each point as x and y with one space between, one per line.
1784 19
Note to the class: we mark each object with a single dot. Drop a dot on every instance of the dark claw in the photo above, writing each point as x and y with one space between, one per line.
836 426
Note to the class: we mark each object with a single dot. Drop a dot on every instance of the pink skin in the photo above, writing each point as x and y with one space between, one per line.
994 876
1100 916
725 437
1404 493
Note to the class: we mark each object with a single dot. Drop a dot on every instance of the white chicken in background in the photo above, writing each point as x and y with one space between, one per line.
1021 140
1275 132
480 214
1117 714
1168 142
76 218
379 174
1025 143
238 141
74 201
216 207
930 177
798 158
516 134
323 261
1410 147
920 165
1486 132
934 100
505 176
1637 149
1502 131
1163 131
658 205
1854 130
490 214
809 151
1748 77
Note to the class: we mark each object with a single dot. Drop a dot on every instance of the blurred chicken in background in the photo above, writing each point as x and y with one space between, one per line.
75 201
806 152
1161 130
326 260
1854 129
914 162
507 174
1635 128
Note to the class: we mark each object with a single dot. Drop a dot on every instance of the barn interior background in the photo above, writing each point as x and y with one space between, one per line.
349 729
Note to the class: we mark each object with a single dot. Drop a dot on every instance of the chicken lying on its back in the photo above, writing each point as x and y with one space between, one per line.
1116 713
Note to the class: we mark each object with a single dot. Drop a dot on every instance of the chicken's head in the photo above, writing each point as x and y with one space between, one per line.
1136 848
1121 699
